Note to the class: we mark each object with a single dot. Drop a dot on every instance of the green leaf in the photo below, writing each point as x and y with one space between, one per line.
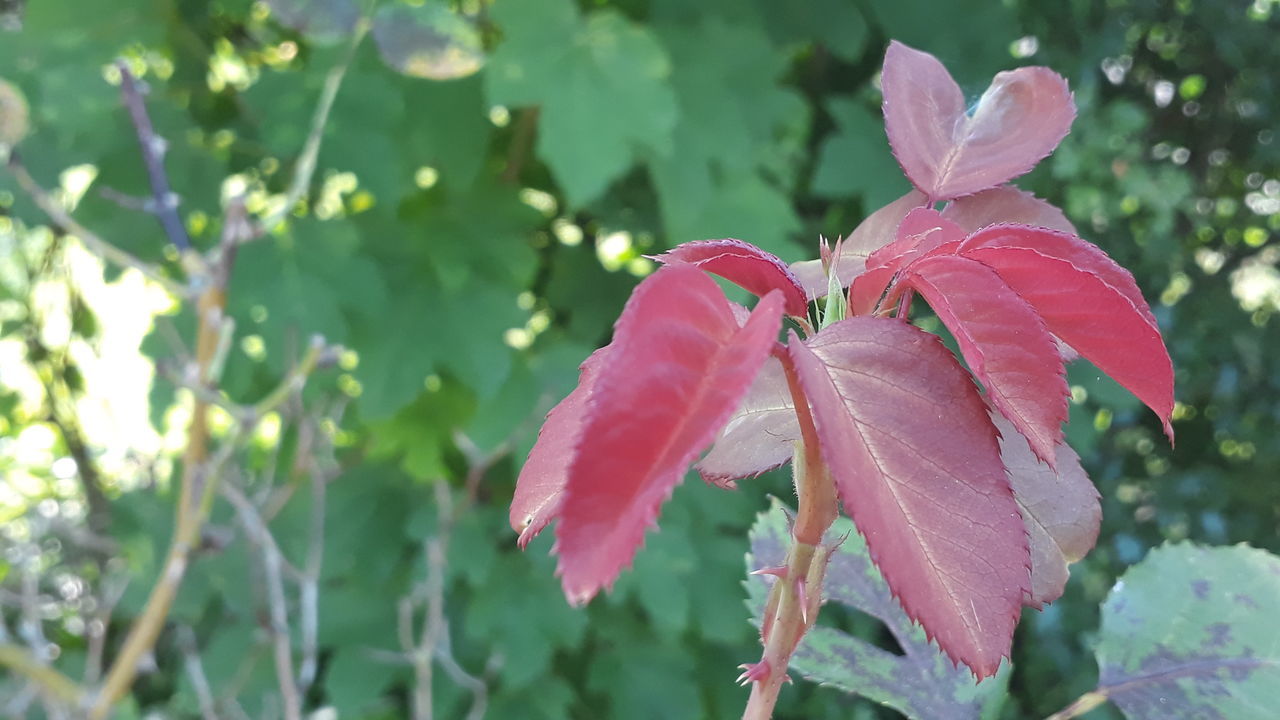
972 39
322 21
921 683
1190 632
837 24
601 83
856 160
427 41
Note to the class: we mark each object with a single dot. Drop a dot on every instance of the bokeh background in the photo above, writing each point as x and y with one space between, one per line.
469 240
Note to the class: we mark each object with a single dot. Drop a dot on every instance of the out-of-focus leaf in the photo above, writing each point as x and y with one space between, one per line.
427 41
939 516
922 683
679 366
14 114
745 265
855 160
322 21
1190 632
601 84
947 152
1060 508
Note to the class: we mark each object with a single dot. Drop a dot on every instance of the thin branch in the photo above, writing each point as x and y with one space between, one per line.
153 149
194 668
103 249
260 536
306 165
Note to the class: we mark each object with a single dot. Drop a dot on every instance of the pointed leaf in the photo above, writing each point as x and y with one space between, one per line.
745 265
1191 632
919 683
947 153
1060 507
679 366
1004 342
917 465
1092 316
761 434
877 230
540 487
1005 204
1064 246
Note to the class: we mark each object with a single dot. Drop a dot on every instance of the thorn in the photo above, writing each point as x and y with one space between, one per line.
802 596
753 672
777 571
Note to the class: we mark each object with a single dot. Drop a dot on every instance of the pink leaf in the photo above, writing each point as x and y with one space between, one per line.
761 434
922 230
917 466
947 153
877 230
1084 255
1060 508
1005 204
540 487
1099 320
678 367
743 264
1004 342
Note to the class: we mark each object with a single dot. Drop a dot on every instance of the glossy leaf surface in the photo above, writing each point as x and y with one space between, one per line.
945 151
1092 316
745 265
1004 342
939 516
1060 507
919 683
1191 632
679 367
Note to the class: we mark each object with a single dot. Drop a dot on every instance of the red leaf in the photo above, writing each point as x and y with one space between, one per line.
917 466
1005 204
1084 255
540 487
1098 320
947 153
922 230
761 434
745 265
678 367
1061 510
1004 342
877 230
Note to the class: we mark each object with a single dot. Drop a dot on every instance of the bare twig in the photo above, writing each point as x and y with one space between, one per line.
260 536
96 628
50 683
63 220
194 668
153 149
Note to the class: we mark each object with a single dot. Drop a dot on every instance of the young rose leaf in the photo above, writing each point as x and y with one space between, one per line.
744 265
761 434
1097 319
1060 508
917 466
1005 204
1004 342
877 230
919 683
677 369
946 152
922 230
1080 253
1191 632
540 486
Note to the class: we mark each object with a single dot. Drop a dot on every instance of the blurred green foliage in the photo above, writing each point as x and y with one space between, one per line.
471 240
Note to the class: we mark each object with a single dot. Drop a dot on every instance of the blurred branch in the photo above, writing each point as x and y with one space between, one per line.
521 143
260 536
53 685
194 668
306 165
63 220
153 149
